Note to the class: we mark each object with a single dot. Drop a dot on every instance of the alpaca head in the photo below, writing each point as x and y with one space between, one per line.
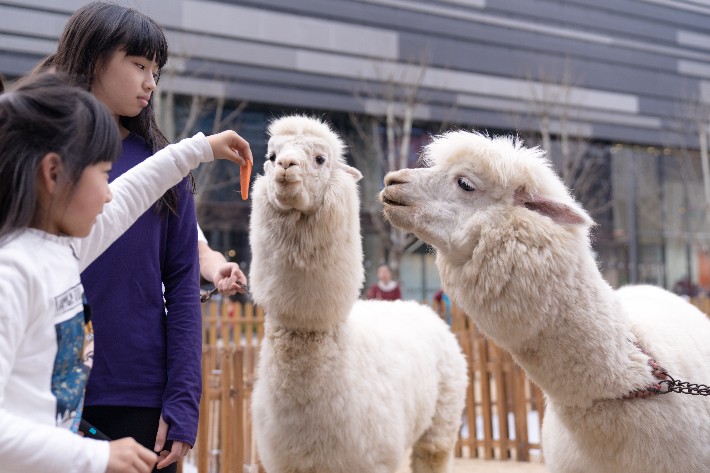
303 157
504 226
474 182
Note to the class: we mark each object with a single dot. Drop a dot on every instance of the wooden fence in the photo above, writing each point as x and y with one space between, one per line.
502 406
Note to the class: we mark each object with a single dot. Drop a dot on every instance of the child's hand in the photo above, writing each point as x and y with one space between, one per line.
229 279
229 145
128 456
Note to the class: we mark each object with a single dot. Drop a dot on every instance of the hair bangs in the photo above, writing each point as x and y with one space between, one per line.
143 37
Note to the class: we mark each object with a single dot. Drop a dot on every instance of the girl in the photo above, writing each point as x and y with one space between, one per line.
146 380
57 144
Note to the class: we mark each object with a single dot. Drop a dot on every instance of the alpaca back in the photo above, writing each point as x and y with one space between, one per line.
673 331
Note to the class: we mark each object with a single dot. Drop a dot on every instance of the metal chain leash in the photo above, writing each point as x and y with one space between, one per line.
207 295
683 387
667 384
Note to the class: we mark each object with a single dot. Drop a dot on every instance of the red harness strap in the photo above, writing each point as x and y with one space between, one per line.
658 372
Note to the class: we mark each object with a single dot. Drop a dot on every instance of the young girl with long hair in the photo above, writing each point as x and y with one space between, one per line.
146 381
57 214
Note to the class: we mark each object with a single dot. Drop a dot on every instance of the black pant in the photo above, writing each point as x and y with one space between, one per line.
117 422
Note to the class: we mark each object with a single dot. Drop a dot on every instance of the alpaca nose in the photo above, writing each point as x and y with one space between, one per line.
395 177
287 161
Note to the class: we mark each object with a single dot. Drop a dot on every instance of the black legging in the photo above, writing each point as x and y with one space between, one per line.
117 422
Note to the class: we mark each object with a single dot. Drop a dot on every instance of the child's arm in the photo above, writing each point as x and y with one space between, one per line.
27 334
137 189
30 446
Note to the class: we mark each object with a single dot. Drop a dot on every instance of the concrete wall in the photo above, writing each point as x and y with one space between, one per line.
630 65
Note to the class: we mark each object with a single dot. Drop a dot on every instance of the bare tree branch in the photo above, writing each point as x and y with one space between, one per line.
382 141
549 122
207 178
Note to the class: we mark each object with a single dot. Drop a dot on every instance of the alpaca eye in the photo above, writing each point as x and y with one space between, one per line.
466 185
271 156
320 159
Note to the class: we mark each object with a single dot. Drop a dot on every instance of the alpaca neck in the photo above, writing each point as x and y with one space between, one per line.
307 268
560 320
297 341
585 351
303 362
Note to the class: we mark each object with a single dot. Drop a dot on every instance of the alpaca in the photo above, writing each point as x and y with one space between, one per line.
513 250
344 386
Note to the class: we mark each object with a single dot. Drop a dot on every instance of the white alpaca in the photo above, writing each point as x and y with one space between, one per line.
513 251
343 386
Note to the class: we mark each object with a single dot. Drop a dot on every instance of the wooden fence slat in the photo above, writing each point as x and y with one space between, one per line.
203 425
237 323
239 406
251 362
520 415
501 399
225 421
486 407
470 409
248 320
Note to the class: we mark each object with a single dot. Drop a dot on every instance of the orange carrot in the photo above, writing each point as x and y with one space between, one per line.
244 177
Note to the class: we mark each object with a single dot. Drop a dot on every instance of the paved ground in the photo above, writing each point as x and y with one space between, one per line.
460 466
493 466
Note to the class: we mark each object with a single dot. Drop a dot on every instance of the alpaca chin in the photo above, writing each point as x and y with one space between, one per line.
290 196
399 217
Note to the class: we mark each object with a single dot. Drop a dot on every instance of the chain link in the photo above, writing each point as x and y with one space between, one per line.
683 387
207 295
667 383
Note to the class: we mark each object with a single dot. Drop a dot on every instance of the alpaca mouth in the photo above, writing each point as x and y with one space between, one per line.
286 179
392 203
389 197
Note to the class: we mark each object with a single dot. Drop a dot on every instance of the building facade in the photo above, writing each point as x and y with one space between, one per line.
616 90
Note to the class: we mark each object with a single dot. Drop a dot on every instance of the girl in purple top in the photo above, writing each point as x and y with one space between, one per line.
146 378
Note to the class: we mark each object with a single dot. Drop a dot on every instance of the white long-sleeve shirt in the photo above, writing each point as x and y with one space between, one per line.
42 322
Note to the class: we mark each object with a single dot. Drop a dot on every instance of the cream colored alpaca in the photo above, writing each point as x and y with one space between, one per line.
343 386
513 250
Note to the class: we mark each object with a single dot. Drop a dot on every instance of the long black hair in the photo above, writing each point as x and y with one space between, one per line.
44 114
91 35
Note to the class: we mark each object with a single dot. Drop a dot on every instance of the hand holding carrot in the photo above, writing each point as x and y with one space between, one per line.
229 145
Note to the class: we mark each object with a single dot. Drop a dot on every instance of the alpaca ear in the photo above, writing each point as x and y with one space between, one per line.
356 175
559 212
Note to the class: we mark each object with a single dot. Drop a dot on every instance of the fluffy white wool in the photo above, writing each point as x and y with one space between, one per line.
513 250
344 386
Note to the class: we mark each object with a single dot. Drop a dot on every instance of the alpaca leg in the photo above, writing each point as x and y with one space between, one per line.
434 451
428 458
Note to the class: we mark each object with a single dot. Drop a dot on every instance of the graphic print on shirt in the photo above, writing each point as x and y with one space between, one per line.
71 365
